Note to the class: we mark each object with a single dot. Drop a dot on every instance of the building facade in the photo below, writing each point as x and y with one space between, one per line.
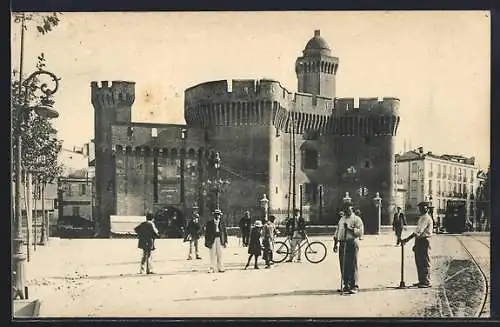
437 177
341 145
75 196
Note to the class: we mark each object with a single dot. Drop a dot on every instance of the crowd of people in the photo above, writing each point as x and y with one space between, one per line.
259 238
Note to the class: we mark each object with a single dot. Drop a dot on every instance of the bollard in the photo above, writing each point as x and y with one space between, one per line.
26 292
402 282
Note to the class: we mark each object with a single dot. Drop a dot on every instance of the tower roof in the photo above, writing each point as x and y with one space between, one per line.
317 45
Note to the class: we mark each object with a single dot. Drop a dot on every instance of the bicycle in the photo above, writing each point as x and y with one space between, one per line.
315 251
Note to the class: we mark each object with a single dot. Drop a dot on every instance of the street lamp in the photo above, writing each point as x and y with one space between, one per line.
43 109
378 203
218 183
431 212
183 163
217 163
347 199
264 203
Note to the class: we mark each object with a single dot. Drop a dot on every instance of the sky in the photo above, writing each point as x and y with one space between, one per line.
437 63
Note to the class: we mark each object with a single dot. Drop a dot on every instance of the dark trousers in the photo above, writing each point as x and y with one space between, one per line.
349 263
146 260
398 231
422 260
245 235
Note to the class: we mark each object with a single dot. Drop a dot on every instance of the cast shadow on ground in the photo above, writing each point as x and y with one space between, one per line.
292 293
198 270
155 261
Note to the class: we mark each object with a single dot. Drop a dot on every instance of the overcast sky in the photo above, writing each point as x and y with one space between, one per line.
437 63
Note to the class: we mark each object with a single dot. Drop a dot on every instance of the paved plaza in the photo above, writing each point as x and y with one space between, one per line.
99 278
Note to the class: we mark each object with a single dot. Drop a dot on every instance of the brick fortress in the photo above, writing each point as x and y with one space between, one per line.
249 122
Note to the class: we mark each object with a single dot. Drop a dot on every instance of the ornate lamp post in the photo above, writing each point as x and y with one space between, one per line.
264 203
347 199
183 168
217 163
218 183
43 109
431 212
378 203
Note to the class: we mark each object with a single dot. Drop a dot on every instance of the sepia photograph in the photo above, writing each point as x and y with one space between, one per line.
233 164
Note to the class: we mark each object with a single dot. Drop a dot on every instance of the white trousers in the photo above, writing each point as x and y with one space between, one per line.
216 255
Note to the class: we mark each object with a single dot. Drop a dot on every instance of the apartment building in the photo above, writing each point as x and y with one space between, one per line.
440 178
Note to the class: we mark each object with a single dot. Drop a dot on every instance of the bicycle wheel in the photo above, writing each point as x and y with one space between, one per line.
315 252
280 252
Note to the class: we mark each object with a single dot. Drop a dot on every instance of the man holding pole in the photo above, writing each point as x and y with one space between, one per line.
422 235
349 230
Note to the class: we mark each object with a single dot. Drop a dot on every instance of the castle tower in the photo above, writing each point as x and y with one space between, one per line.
364 136
316 69
112 104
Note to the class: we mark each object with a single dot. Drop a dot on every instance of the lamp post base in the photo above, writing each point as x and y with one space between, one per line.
402 284
18 260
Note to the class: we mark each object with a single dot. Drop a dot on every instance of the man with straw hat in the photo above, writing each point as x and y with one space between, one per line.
349 230
215 240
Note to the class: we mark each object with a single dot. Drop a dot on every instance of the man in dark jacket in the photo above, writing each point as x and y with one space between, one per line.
245 224
193 235
398 224
147 232
215 240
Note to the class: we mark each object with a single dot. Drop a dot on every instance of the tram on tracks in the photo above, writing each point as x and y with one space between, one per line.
455 219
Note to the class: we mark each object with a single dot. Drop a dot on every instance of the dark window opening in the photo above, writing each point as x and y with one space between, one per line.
310 159
76 211
367 164
366 140
311 193
130 131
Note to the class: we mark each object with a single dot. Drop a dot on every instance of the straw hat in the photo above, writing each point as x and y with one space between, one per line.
258 223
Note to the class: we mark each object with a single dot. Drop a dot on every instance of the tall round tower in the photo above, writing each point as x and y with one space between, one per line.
316 69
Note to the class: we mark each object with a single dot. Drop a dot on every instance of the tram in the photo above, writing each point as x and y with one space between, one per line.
455 219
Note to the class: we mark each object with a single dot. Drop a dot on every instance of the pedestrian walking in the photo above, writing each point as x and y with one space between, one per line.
146 233
346 242
422 235
269 233
296 228
336 240
255 244
215 240
193 234
398 223
245 225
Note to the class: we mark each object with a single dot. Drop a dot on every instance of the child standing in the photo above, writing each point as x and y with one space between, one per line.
255 245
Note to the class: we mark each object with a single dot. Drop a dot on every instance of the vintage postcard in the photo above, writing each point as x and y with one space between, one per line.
251 164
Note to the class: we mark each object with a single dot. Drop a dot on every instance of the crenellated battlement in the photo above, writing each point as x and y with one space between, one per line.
119 93
234 90
249 102
313 104
380 105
